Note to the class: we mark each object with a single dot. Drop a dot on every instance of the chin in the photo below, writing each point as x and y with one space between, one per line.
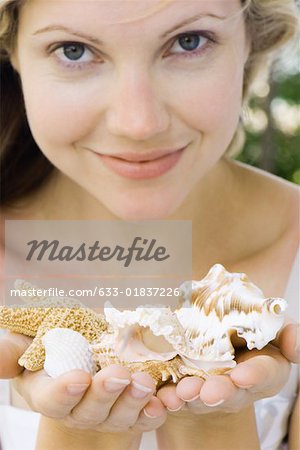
134 210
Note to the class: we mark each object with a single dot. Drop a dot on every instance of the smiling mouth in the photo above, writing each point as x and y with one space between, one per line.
142 166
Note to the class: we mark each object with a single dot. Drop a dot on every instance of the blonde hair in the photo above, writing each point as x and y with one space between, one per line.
269 23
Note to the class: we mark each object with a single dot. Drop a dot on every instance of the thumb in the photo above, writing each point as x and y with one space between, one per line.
12 346
288 342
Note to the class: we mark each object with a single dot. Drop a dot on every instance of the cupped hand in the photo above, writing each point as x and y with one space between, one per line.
111 401
258 374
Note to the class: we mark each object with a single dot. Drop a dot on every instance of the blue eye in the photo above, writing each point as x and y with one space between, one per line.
73 54
192 43
73 51
189 42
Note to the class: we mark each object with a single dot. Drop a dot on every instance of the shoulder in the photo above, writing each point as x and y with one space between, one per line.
270 200
270 225
271 194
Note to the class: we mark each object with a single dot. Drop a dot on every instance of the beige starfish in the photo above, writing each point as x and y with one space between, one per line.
34 319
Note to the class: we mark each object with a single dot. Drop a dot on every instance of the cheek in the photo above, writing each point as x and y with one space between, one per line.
58 113
214 100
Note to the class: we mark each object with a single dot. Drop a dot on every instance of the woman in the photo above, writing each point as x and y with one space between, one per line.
133 100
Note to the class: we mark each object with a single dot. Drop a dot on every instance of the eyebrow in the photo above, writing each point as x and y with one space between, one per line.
69 30
99 42
191 20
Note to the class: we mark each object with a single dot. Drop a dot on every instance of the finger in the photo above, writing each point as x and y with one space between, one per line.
53 397
153 415
216 390
105 389
288 341
188 389
261 374
154 408
12 346
126 410
170 399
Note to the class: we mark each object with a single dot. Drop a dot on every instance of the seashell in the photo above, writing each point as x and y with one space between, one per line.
66 350
222 303
196 337
144 339
146 333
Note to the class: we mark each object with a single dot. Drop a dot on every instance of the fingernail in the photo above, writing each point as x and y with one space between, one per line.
176 409
76 389
114 384
139 391
149 415
214 404
191 399
245 386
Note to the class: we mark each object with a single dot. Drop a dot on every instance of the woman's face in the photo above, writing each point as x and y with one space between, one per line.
133 101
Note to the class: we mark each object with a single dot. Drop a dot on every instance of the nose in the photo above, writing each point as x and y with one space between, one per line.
136 111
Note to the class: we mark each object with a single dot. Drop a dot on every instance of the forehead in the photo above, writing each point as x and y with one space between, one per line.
122 12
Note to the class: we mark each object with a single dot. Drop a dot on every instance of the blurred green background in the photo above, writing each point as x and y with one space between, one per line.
272 120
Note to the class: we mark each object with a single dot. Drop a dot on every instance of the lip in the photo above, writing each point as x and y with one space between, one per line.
142 166
144 157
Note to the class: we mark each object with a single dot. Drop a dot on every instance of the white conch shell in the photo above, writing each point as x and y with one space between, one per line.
66 350
221 303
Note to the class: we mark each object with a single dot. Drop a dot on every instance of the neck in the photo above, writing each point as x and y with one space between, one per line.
209 198
210 206
62 199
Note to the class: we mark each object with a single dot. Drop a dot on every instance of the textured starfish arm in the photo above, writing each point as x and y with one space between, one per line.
22 319
34 357
83 320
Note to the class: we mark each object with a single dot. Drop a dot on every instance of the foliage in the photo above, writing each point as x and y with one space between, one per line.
275 144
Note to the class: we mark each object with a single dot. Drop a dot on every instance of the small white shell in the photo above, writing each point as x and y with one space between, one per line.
66 350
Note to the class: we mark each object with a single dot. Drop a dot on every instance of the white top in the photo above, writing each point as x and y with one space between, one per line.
18 427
